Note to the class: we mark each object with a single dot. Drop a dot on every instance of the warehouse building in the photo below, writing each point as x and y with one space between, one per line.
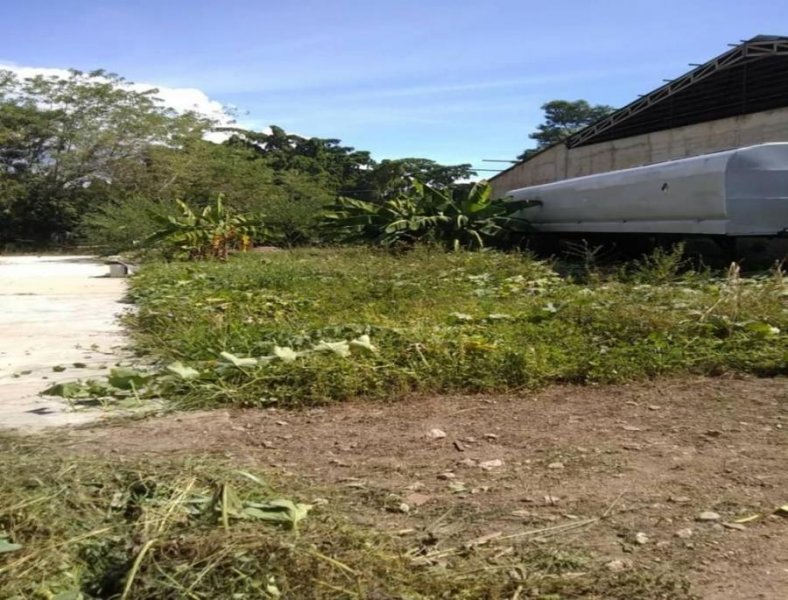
739 98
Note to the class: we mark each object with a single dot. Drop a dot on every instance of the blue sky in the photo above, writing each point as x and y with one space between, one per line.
453 81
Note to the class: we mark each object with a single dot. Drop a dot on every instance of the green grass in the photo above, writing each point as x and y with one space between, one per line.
447 322
74 527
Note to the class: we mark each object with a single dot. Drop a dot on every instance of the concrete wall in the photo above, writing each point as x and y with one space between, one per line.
559 162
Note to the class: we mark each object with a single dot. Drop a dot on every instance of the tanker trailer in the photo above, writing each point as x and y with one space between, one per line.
729 194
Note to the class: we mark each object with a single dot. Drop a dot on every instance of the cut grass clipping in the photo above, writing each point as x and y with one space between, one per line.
314 326
78 528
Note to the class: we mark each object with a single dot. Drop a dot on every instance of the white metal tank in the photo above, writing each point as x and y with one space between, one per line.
741 192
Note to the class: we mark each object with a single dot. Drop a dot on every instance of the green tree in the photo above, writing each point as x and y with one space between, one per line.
87 155
344 169
198 171
339 165
63 140
391 177
562 119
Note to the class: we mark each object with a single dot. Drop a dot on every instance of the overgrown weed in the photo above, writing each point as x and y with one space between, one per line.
446 322
660 267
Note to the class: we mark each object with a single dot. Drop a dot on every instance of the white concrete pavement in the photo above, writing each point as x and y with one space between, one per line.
54 311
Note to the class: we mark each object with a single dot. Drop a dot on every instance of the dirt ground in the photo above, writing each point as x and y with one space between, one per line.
650 457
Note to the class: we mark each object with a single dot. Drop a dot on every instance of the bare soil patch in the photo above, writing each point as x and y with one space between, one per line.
652 456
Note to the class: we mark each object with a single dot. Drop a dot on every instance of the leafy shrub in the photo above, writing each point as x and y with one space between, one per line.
661 266
211 233
467 218
123 225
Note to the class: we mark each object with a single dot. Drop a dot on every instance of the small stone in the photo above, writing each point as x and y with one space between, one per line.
488 465
653 407
641 538
631 428
684 533
491 436
417 499
631 446
403 508
550 500
457 487
417 485
281 423
458 446
446 475
708 515
468 462
437 434
679 499
556 466
736 526
621 564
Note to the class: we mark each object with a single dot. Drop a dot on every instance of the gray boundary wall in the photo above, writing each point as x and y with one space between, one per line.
560 162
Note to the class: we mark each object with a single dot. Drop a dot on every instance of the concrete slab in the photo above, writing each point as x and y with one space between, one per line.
54 311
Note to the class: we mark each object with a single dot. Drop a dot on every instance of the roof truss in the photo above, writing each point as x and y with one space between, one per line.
759 47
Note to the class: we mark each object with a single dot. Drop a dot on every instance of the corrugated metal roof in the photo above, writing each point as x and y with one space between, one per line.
750 77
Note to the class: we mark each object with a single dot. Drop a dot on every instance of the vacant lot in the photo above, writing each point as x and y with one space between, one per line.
508 430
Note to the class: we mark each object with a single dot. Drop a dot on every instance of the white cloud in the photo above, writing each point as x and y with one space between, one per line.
181 99
188 99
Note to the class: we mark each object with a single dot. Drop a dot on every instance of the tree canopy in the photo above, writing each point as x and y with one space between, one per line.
87 156
562 118
63 139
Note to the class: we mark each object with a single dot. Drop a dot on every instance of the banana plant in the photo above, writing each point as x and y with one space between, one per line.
468 218
209 233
